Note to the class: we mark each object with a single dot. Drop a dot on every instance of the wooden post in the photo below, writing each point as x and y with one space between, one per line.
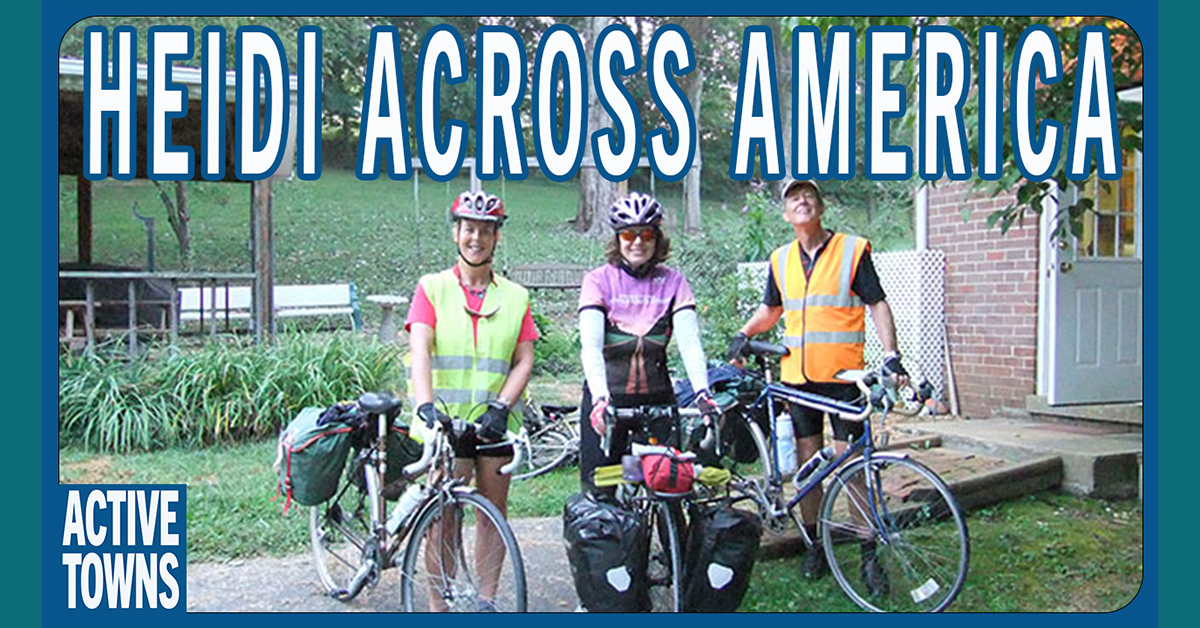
213 294
476 184
133 346
83 220
416 194
89 315
264 269
173 315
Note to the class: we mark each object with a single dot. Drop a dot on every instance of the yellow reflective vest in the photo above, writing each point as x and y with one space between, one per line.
824 322
469 368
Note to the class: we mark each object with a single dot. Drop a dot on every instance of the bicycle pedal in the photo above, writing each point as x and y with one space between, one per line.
776 525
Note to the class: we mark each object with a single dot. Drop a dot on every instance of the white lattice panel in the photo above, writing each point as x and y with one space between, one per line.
914 282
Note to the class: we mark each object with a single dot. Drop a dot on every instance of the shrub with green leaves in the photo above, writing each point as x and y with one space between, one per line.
215 393
557 349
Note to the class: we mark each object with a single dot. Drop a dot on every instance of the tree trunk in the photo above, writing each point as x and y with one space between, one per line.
698 29
596 193
783 78
180 218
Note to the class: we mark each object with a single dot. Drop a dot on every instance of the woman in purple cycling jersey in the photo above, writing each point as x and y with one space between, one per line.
628 310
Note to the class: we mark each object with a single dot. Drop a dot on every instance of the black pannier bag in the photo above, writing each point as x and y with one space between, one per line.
722 545
606 546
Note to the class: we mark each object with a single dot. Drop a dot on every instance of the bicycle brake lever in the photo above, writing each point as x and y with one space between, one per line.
606 439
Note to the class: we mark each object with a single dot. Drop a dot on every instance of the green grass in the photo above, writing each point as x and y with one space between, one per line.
230 487
544 495
339 228
1042 553
371 233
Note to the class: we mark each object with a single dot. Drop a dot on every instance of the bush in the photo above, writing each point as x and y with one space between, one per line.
216 393
556 352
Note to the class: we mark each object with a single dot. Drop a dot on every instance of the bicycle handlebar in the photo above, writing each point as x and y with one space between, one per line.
865 381
515 439
650 413
430 446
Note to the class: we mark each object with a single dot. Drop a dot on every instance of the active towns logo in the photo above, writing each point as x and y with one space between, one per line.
122 547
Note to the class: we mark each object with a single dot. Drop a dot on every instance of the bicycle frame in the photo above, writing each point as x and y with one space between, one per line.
864 445
371 462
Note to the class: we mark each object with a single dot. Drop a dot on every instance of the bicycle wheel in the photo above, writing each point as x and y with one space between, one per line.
906 553
449 567
664 568
340 532
761 469
548 449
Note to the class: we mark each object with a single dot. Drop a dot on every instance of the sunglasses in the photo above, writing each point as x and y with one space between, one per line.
647 235
481 313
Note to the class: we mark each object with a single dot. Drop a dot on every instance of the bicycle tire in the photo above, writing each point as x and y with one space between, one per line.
447 580
664 567
547 451
340 533
765 472
923 550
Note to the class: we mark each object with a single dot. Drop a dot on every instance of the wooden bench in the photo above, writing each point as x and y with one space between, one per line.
549 276
234 302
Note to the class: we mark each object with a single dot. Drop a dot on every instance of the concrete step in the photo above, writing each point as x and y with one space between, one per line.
1098 460
975 479
1125 414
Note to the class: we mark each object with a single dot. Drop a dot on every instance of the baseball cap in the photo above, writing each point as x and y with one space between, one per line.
791 183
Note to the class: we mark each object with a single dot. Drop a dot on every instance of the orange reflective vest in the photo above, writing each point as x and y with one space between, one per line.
824 322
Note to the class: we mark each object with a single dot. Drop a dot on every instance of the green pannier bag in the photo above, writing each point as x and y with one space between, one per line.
311 457
402 451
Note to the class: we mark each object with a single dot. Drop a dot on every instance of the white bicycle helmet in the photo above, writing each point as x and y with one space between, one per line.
478 206
635 210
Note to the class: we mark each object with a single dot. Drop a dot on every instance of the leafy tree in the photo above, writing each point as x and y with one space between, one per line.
1053 102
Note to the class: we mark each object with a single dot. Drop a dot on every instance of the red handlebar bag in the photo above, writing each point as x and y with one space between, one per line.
666 473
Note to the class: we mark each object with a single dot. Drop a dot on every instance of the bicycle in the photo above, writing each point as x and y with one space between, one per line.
902 515
552 441
353 539
661 514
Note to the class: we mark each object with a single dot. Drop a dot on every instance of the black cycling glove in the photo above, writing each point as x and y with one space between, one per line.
736 346
892 365
429 413
493 425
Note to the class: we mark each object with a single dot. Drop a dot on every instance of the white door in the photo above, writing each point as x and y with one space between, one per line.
1094 300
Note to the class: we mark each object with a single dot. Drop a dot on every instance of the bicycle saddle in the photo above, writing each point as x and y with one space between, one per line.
379 403
758 347
558 410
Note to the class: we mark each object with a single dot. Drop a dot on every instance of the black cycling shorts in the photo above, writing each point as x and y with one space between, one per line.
810 422
466 447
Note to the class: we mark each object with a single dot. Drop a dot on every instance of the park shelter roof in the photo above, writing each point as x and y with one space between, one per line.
185 130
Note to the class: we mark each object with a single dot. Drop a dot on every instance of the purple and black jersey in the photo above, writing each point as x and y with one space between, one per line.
638 312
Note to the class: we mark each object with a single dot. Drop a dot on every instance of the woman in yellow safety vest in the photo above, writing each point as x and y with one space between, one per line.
471 337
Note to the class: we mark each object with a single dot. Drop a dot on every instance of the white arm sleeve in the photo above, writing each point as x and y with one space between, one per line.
687 334
591 352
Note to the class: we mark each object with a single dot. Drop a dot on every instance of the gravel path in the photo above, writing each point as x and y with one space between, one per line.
290 584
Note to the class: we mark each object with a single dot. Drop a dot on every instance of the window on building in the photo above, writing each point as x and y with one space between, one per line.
1113 228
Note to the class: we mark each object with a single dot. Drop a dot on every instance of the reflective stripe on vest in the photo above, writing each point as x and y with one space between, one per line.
470 367
823 320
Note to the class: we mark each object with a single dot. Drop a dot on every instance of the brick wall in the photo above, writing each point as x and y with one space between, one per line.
991 299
